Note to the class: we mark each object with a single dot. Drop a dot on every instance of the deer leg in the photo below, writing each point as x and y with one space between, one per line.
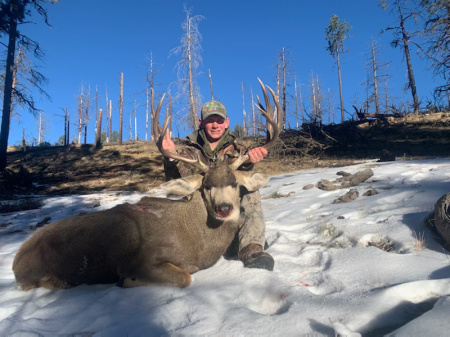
48 282
52 282
162 274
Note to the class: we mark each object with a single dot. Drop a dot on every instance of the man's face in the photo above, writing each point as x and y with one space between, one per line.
214 127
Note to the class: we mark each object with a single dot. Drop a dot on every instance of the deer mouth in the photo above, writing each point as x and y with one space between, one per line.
224 210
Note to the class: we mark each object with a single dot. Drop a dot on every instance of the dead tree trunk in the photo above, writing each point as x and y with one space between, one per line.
210 84
411 80
121 109
80 116
244 114
86 113
135 123
66 138
98 137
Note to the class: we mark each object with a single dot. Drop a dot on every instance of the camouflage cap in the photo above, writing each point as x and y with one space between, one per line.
213 108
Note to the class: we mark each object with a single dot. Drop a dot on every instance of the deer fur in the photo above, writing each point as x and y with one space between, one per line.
155 241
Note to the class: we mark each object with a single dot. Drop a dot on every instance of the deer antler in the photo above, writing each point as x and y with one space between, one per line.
160 133
267 113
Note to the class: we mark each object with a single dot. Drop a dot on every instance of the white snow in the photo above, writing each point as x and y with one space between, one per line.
329 276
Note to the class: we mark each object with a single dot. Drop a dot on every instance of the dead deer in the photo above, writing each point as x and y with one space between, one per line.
155 241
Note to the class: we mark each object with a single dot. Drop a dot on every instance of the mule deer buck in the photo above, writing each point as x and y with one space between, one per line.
155 241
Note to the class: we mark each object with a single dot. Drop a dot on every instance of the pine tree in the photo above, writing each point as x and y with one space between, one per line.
13 13
336 33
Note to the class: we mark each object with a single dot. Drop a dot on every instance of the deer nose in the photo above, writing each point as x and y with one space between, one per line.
224 210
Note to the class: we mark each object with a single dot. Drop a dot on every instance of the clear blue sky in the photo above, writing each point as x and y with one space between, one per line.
92 42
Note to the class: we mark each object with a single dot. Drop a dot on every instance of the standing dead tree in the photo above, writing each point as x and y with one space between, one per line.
135 122
298 104
86 112
189 50
317 98
83 114
376 75
284 73
121 109
150 78
244 113
80 114
331 113
96 110
211 84
66 127
98 136
403 39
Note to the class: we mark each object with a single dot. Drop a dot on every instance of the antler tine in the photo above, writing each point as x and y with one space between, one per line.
155 114
266 98
275 127
267 113
162 133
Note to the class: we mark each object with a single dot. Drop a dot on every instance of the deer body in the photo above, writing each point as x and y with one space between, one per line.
155 241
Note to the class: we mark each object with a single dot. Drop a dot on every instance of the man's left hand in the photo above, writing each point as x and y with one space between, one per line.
257 154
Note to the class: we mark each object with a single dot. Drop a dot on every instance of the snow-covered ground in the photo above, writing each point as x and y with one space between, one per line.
329 277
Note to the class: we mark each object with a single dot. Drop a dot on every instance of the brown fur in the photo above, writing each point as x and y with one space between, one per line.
156 241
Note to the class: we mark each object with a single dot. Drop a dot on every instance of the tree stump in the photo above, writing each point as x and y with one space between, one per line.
442 217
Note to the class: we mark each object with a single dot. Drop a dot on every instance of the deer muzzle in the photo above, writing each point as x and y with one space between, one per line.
224 210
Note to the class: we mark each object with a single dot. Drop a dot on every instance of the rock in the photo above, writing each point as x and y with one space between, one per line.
326 185
442 217
41 223
347 197
308 187
370 192
343 174
358 178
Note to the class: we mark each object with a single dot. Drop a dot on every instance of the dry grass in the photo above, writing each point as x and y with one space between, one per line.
419 242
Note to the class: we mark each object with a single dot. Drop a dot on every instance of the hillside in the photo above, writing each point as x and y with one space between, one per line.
138 166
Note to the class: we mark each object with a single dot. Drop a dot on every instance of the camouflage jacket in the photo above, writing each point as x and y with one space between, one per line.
197 145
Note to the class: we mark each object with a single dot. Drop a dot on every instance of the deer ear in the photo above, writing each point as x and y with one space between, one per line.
183 186
250 180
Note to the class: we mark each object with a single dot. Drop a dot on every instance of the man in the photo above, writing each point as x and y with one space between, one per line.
212 143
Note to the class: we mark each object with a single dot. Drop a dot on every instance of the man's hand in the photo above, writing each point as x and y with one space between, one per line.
167 143
257 154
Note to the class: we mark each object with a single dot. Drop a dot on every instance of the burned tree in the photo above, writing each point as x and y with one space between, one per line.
189 50
403 39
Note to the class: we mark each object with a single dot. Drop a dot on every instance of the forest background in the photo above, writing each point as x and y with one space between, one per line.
90 44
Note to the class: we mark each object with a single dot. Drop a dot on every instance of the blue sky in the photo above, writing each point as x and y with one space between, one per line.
92 42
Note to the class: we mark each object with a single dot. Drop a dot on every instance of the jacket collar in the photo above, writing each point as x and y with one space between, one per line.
198 138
